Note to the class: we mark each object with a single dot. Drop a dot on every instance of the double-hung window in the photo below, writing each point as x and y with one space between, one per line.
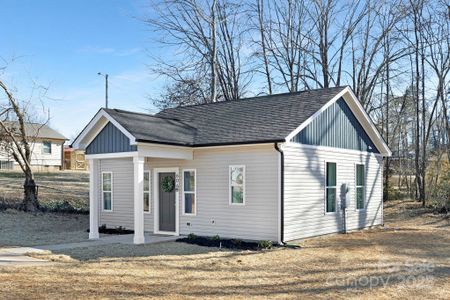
330 188
360 183
237 185
46 147
146 191
189 189
107 188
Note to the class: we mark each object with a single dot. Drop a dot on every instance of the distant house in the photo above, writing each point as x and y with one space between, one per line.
279 167
47 149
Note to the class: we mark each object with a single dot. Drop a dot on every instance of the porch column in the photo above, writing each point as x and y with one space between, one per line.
93 200
138 163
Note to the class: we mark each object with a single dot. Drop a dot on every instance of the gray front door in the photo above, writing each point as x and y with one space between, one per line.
166 202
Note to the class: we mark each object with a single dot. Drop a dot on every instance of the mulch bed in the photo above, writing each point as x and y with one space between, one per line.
224 243
117 230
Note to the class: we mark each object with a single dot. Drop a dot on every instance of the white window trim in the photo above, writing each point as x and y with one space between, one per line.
149 211
190 192
326 187
363 186
46 153
112 193
230 196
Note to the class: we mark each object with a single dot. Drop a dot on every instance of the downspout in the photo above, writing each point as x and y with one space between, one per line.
277 148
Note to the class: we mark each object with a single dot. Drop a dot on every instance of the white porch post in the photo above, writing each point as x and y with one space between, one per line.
93 200
138 163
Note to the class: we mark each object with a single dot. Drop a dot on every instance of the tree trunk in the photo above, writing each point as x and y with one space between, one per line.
30 200
213 53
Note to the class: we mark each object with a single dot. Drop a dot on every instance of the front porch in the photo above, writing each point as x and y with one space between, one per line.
139 184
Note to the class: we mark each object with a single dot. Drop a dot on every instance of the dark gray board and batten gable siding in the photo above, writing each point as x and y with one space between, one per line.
110 140
336 127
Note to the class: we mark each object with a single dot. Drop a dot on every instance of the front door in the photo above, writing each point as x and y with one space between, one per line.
167 201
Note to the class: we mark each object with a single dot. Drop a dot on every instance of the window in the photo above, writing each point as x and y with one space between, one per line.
189 188
237 185
47 147
107 190
330 189
360 182
6 165
147 191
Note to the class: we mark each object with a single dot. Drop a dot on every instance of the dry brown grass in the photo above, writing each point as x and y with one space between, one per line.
18 228
54 188
324 267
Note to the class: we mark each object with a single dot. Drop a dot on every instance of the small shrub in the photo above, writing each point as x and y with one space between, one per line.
264 244
102 228
215 238
192 237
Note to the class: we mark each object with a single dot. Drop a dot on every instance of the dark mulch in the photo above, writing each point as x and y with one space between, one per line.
225 243
118 230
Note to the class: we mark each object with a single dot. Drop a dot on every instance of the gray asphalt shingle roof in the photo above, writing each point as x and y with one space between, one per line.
42 131
250 120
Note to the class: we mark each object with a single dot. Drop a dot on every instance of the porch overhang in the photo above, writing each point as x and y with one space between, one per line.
150 150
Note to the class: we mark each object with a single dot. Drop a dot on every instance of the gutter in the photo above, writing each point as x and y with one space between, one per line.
277 148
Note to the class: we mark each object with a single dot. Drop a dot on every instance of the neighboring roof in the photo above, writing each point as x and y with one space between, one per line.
43 131
264 119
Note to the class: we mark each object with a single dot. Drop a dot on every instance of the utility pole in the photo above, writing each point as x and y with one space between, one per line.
106 87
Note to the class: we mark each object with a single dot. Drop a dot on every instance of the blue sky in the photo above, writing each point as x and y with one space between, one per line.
63 44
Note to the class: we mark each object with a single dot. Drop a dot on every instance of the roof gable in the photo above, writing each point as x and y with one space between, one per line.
110 140
336 127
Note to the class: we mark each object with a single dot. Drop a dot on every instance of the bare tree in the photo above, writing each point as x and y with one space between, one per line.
15 140
207 38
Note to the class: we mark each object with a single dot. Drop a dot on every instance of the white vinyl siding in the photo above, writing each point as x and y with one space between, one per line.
123 214
38 157
304 185
258 219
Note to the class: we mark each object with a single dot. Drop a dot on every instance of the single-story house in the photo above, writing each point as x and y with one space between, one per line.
47 149
278 167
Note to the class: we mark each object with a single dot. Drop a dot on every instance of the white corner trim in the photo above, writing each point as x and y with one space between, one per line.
81 143
358 111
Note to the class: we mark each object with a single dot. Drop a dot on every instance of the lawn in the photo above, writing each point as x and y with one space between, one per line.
408 258
55 188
